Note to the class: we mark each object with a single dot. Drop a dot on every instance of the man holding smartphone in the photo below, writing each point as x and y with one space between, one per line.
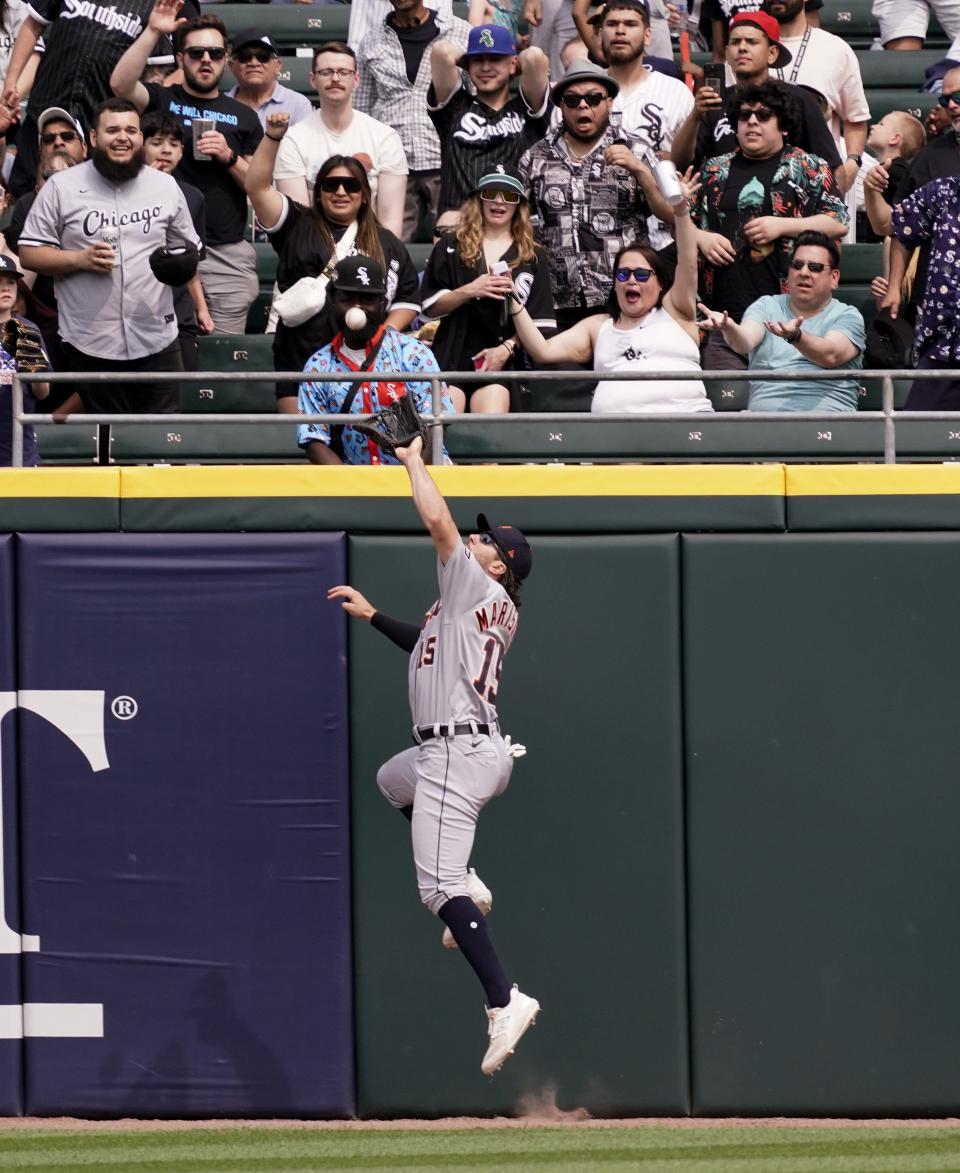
215 160
753 49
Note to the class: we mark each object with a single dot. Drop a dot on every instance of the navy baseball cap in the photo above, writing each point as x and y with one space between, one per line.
254 36
512 545
8 267
488 40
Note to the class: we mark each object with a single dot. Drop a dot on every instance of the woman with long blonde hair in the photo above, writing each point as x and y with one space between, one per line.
468 279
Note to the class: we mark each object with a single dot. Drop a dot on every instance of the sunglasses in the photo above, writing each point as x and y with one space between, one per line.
196 53
572 101
248 55
349 184
339 74
813 266
946 99
762 114
508 197
65 136
640 275
487 540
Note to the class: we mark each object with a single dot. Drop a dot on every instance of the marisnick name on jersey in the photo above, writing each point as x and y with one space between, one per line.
497 615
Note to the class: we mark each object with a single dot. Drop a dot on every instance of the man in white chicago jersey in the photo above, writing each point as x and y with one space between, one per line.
460 761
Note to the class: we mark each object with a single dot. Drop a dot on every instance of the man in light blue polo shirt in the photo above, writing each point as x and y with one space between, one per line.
803 329
255 64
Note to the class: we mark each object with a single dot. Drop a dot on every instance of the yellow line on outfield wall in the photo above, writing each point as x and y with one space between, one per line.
872 480
765 480
59 482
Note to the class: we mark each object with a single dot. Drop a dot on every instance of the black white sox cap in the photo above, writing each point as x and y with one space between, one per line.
512 545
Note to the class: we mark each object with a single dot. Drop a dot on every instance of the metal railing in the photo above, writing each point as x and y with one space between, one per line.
438 420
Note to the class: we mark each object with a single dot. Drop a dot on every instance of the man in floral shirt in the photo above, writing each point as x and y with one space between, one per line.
931 216
359 282
752 205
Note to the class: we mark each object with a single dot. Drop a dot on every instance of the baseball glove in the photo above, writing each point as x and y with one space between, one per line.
174 266
395 426
24 345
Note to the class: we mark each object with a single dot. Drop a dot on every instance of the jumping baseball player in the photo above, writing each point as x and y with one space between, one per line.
460 761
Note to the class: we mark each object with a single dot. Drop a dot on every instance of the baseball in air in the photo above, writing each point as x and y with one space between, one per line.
355 318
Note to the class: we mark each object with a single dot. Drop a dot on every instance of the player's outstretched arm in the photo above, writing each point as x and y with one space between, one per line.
355 605
429 501
404 635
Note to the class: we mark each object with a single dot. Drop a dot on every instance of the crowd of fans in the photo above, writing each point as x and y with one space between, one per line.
596 201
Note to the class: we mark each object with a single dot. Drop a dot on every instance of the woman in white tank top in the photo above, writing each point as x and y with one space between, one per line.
649 325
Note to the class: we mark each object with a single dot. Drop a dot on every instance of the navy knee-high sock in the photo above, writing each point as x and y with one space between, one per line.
469 928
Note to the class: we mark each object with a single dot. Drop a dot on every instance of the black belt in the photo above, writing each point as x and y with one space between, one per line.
445 729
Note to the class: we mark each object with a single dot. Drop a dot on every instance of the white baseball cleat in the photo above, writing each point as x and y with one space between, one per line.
508 1025
481 896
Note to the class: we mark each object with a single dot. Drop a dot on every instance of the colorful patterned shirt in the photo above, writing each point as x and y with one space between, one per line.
933 214
398 352
803 185
587 210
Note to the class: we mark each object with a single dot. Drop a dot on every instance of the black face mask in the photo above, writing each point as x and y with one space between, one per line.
376 312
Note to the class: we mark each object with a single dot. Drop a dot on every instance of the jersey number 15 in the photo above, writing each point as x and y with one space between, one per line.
492 651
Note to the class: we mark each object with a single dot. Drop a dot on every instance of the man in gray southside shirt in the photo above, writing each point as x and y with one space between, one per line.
114 313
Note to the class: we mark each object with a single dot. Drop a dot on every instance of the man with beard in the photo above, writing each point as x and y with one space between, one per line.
827 64
591 190
486 128
82 44
115 315
650 104
216 160
359 283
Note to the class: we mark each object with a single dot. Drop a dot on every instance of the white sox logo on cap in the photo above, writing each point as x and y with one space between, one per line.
362 275
486 39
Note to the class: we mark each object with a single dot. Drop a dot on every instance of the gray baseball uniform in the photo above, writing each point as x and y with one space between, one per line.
454 675
125 314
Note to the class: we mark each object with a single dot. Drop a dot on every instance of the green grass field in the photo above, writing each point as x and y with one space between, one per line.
654 1149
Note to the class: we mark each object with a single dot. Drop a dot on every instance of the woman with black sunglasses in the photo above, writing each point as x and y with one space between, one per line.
649 325
468 278
309 241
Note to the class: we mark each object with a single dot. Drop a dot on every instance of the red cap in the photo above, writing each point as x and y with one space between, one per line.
770 27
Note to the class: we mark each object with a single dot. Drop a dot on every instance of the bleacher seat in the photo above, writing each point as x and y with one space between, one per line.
291 26
200 444
231 353
854 21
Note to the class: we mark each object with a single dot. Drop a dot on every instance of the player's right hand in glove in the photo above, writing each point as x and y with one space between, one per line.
394 427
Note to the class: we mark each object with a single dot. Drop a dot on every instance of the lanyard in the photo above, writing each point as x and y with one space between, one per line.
372 349
798 60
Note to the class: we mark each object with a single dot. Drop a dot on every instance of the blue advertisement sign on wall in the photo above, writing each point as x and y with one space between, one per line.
185 825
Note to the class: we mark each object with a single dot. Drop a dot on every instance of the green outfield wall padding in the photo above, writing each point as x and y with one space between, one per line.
820 695
887 497
583 851
558 499
42 500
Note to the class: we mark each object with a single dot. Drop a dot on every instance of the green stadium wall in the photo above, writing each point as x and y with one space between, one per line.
726 866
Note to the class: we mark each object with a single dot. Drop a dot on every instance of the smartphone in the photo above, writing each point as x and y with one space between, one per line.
199 127
713 75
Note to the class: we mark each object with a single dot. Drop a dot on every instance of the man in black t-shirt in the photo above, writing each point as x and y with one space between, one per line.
214 161
82 43
753 50
488 128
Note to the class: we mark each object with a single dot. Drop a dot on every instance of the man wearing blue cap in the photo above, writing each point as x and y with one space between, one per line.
489 127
